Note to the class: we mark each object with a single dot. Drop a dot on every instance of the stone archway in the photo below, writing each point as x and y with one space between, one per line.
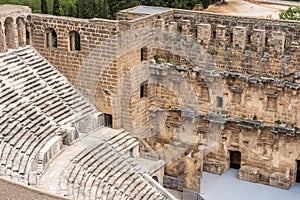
50 38
74 41
9 33
21 32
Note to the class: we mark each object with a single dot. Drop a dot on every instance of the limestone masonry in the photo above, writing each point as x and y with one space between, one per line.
189 91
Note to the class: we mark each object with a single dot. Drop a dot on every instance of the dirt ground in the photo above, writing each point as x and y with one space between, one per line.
247 9
14 191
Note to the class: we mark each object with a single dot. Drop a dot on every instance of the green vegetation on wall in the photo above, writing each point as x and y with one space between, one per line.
290 14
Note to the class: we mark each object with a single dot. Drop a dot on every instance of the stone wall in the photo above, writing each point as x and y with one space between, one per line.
266 157
257 61
83 67
260 47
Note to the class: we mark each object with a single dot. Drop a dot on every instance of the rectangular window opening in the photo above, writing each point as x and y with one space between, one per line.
143 89
266 41
143 53
249 39
231 37
214 35
219 102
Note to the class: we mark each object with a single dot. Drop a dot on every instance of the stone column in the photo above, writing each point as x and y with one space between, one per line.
204 34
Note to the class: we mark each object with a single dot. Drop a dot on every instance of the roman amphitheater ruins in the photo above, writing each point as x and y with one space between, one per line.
123 109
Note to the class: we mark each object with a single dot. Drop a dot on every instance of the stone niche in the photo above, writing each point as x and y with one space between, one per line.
272 102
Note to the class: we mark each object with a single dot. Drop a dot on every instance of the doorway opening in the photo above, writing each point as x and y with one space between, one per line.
298 171
235 159
108 120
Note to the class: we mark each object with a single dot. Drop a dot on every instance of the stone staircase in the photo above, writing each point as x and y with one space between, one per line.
35 100
104 169
38 111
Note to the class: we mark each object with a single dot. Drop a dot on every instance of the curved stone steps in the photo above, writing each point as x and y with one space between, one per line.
89 169
51 76
105 170
118 170
31 109
79 162
95 169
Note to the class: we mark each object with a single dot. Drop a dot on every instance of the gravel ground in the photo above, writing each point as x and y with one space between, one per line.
14 191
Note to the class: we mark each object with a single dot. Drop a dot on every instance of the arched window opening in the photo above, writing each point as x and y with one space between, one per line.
51 38
21 32
9 33
74 41
1 40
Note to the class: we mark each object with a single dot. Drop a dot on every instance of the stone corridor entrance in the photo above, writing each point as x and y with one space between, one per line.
298 171
235 159
108 120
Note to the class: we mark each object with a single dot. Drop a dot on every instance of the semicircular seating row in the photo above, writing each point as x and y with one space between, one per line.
106 170
35 101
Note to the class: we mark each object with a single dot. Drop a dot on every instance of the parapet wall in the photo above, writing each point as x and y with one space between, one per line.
260 47
67 60
240 45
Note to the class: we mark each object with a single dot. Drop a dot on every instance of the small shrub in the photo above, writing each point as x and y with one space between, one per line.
254 117
278 122
156 58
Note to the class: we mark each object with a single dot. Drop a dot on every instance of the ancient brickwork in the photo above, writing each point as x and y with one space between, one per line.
245 45
57 47
266 157
257 60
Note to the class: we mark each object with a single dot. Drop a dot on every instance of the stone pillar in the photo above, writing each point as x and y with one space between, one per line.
21 32
160 23
204 34
239 38
220 36
277 42
16 37
186 26
259 39
173 26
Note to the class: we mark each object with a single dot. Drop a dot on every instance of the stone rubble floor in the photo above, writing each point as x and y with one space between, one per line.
229 187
